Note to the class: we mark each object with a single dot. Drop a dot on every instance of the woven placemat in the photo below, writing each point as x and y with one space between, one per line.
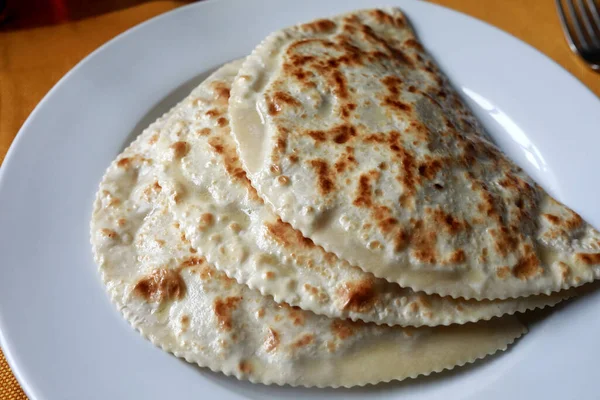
9 387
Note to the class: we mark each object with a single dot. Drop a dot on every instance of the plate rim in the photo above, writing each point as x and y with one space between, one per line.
11 356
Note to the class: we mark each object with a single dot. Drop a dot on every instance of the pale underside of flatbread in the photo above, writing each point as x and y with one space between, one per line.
198 172
349 131
185 306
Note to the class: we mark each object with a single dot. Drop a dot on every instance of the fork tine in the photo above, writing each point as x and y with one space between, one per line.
595 13
565 26
587 23
576 25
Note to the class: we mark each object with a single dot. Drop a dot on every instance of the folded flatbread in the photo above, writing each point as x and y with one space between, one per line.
350 133
177 300
222 217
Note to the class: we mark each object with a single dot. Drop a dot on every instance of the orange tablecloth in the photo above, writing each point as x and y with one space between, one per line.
34 58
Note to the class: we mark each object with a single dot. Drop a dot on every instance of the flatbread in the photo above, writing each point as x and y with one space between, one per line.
186 307
349 131
223 218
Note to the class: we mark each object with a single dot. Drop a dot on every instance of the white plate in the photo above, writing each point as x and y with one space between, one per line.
66 341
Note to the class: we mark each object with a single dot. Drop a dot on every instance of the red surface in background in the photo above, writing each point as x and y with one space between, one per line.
23 14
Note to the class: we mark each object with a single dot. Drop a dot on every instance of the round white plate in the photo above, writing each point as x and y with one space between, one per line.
64 338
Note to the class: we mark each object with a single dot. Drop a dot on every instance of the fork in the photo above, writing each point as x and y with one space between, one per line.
581 24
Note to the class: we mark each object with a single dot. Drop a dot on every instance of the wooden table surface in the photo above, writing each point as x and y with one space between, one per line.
36 50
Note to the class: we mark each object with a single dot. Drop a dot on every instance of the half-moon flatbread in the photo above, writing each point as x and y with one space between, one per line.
223 218
185 306
349 131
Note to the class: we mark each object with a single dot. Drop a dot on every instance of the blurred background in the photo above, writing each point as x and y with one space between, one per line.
24 14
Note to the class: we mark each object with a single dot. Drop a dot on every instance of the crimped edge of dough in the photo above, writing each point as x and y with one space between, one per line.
189 356
439 289
435 321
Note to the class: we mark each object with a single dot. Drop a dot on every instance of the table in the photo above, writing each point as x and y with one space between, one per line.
35 56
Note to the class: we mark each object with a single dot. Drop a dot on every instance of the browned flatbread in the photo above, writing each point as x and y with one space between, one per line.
350 132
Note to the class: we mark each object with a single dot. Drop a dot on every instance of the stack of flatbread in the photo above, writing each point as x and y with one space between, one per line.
328 212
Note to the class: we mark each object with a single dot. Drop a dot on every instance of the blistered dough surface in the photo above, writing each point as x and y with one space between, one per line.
350 132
